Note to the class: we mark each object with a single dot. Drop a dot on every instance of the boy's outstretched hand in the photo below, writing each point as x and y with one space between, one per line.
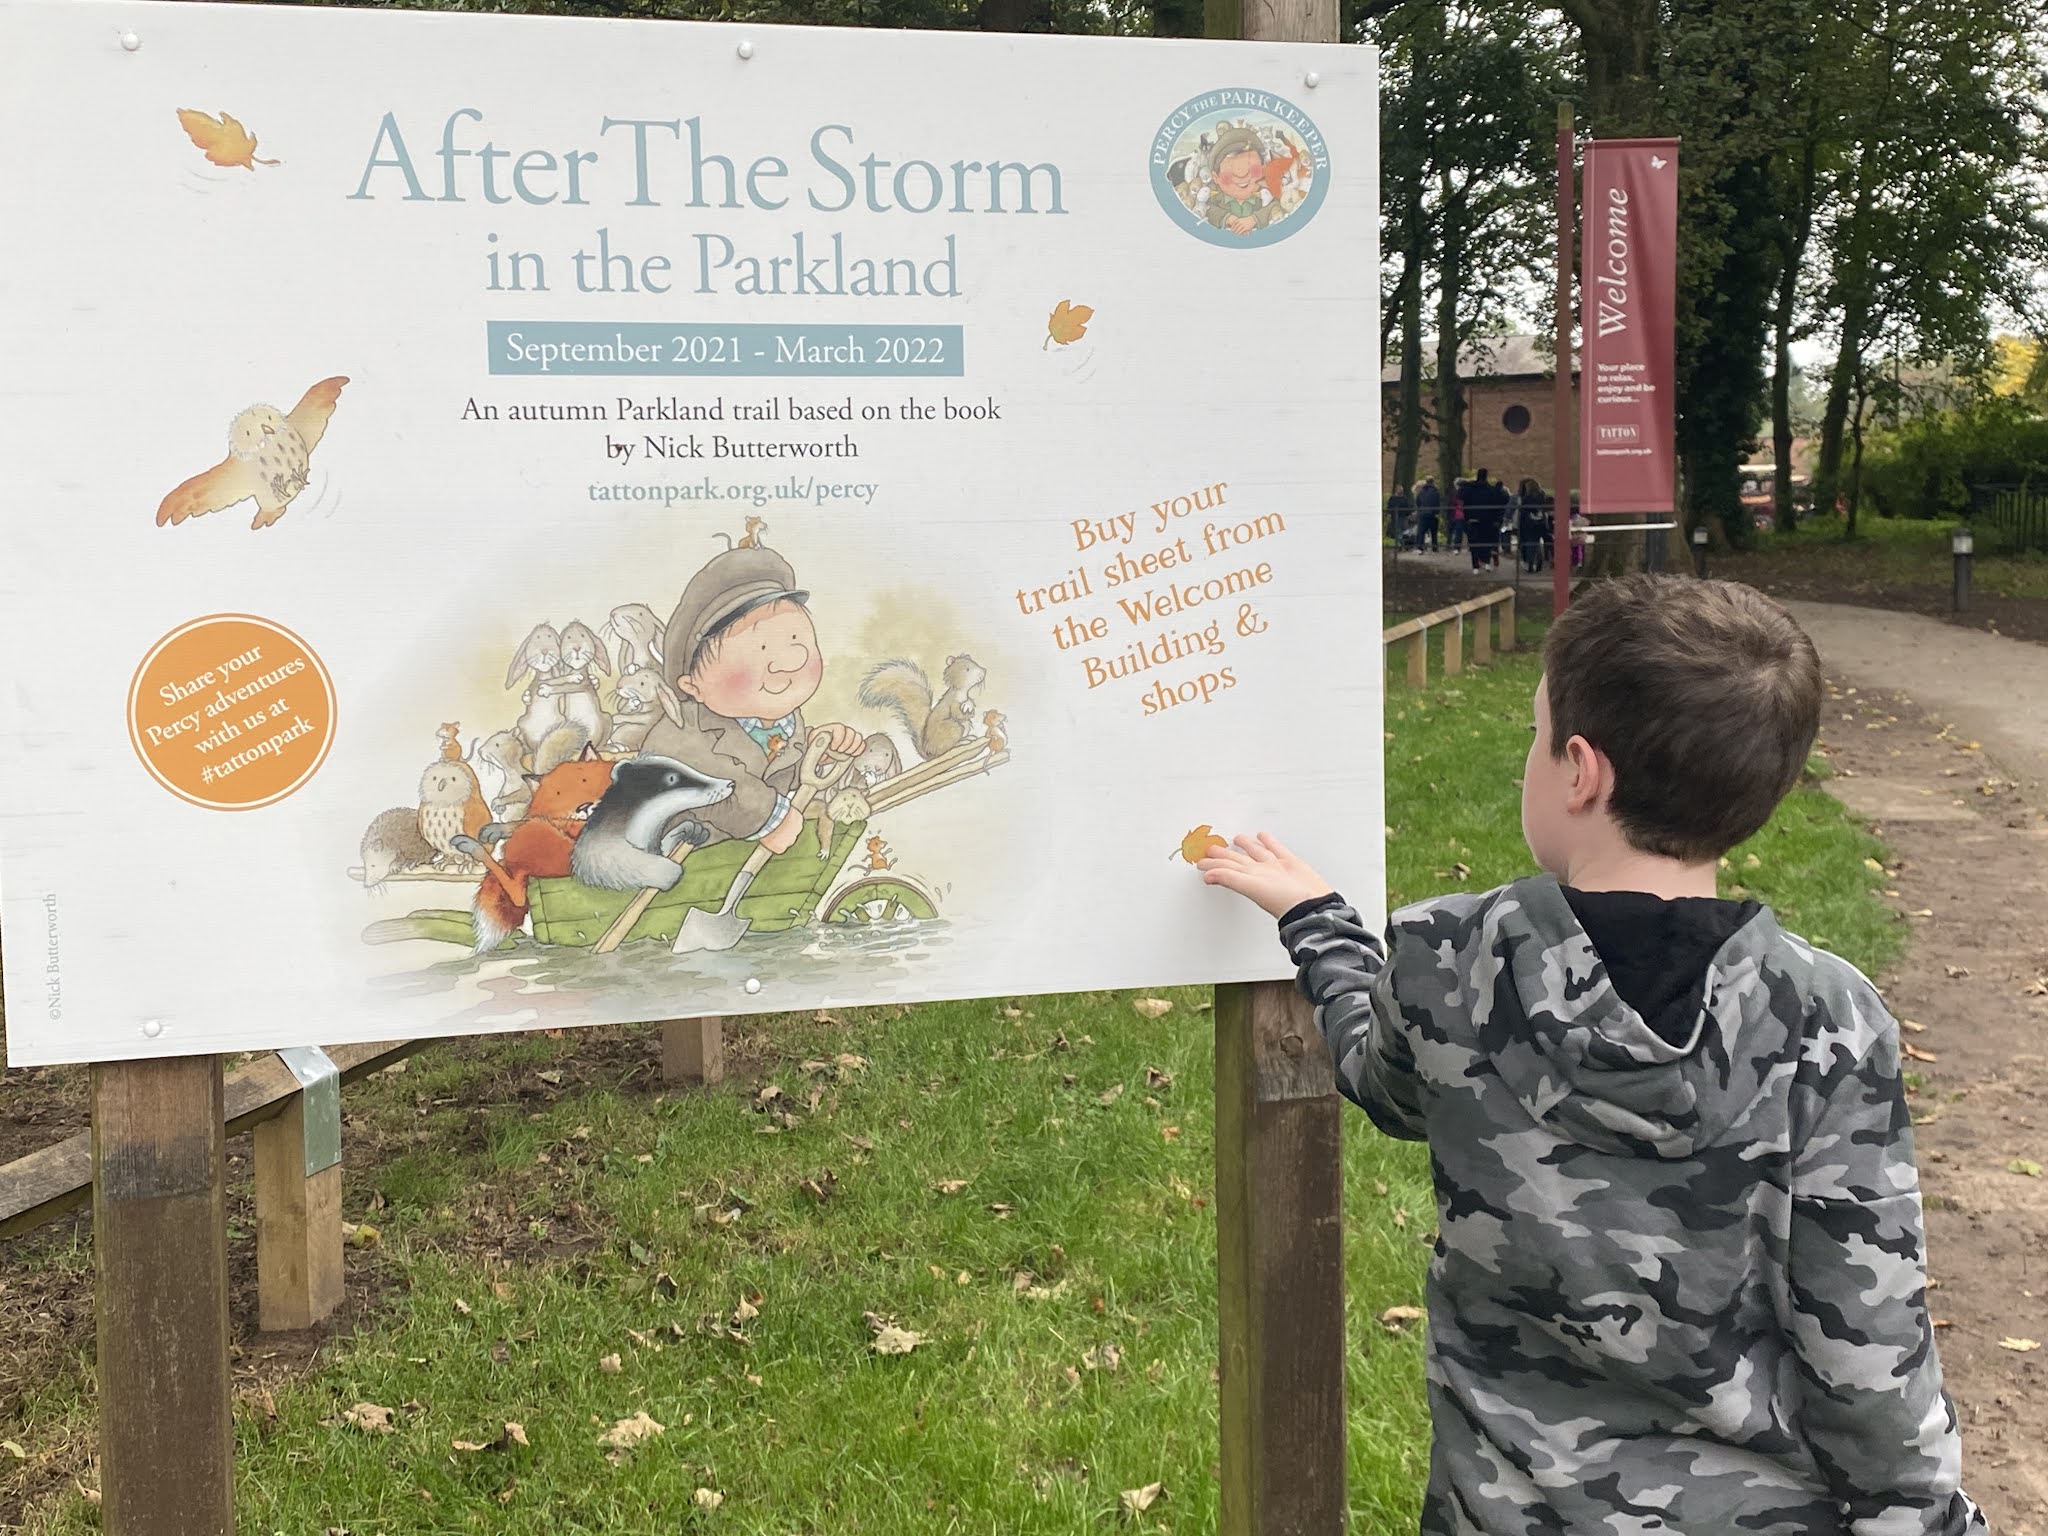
1262 870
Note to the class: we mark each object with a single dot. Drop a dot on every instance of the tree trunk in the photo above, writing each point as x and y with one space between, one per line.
1408 418
1178 18
1450 387
1856 461
1797 235
1015 15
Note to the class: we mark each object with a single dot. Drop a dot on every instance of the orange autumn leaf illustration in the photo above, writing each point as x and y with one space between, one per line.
225 141
1198 842
1069 323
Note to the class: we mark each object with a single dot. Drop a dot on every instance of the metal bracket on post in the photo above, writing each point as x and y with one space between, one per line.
320 1093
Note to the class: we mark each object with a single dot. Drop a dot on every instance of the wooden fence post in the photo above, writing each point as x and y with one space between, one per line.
167 1442
1507 622
299 1274
693 1051
1482 649
1454 643
1418 660
1280 1266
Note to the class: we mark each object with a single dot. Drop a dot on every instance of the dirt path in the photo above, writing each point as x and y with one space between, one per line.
1957 796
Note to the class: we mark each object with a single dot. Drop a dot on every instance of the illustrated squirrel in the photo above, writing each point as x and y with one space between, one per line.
994 725
538 848
631 836
751 539
878 855
508 752
936 725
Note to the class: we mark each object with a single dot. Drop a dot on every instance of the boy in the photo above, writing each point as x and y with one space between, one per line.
743 655
1679 1284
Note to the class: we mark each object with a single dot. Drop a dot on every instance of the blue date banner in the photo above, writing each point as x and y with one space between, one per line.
611 348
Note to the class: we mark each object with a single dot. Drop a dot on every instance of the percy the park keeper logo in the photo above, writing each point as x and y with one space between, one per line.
1239 167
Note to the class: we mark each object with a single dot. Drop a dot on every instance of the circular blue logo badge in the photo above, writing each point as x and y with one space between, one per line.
1239 167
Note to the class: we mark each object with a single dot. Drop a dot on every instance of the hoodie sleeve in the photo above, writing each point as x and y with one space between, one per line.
1342 970
1881 1428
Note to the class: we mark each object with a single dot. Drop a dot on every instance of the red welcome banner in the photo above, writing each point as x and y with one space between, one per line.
1626 282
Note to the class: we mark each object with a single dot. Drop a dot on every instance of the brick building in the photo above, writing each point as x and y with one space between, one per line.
1510 403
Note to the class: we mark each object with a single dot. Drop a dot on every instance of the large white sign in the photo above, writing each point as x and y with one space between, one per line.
522 522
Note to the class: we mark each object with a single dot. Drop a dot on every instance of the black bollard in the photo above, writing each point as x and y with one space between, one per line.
1962 544
1699 550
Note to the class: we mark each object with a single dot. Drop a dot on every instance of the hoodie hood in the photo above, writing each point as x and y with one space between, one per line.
1582 1060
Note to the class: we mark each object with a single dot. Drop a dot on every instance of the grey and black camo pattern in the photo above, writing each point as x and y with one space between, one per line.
1675 1289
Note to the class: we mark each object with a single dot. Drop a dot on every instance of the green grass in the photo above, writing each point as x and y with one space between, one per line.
1893 551
525 1240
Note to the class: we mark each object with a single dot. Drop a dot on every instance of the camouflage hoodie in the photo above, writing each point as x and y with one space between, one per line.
1675 1288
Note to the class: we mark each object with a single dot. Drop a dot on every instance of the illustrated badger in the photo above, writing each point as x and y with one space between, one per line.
624 846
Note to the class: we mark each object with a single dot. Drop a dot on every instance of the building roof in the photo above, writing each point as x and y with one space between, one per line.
1491 357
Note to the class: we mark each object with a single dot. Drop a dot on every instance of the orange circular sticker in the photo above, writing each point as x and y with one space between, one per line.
231 712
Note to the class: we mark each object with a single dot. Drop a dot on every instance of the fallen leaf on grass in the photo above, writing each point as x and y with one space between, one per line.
226 142
1914 1053
627 1433
1069 323
2038 987
1169 1133
14 1450
950 1186
515 1434
744 1313
1001 1210
610 1365
1104 1357
1151 1007
369 1418
364 1236
891 1340
706 1498
2025 1166
1135 1501
1394 1319
1873 866
820 1188
551 1077
2020 1346
1154 1078
1113 1094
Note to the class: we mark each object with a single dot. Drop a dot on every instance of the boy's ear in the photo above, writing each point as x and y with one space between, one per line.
1592 775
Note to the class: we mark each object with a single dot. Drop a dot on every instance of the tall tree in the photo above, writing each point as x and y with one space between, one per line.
1467 95
1933 213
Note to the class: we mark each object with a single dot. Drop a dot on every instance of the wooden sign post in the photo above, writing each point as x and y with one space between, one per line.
1279 1175
167 1439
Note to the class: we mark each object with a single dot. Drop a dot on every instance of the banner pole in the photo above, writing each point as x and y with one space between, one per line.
1562 425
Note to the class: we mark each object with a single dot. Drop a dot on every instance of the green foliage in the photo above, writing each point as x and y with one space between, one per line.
1925 467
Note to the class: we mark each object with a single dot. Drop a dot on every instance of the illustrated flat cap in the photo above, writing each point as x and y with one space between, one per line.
727 586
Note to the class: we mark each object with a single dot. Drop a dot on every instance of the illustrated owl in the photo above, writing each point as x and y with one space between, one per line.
269 458
452 805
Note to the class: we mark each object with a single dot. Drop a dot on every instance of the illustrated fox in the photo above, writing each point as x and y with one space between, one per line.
539 847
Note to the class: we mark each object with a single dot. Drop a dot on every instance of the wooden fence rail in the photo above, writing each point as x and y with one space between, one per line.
1492 609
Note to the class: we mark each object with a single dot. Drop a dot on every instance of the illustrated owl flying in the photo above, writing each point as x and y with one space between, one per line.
269 459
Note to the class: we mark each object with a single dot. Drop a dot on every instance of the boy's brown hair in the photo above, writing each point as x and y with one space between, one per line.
1705 695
